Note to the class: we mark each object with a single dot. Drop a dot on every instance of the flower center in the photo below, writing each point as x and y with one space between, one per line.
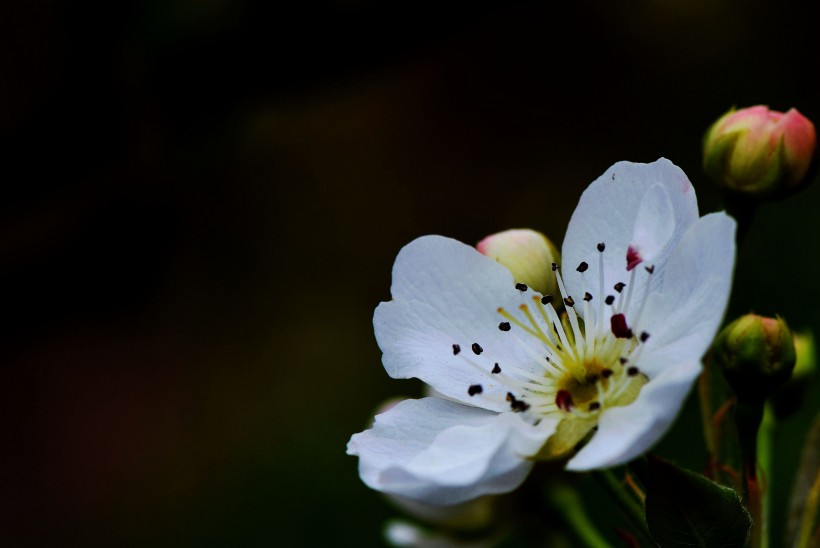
585 362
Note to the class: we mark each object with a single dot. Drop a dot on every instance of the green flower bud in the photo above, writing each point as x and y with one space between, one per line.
527 254
759 152
756 354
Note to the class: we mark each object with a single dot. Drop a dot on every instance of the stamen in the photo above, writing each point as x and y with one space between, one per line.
546 299
496 369
619 286
475 389
633 371
456 349
515 320
521 287
563 400
644 336
594 406
599 318
582 267
610 299
587 296
516 404
633 258
477 349
558 327
645 298
630 287
548 320
526 310
573 318
619 327
504 326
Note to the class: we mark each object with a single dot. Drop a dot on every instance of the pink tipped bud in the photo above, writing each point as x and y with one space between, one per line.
527 254
757 355
759 152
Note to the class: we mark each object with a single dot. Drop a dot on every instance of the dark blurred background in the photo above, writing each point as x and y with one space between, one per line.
202 200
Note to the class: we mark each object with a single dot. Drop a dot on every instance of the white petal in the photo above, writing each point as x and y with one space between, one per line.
441 452
683 317
446 293
626 432
610 212
654 225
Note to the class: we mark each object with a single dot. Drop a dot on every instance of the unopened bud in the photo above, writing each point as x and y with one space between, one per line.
527 254
759 152
757 356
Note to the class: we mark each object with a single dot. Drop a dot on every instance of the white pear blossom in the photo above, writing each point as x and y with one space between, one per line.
605 364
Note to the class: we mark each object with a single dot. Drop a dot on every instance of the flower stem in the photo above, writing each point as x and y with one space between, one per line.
567 502
748 419
742 208
631 507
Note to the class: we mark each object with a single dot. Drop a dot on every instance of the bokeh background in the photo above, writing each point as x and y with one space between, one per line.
202 200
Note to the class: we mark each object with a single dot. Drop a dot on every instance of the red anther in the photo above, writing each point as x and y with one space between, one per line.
633 258
563 399
619 327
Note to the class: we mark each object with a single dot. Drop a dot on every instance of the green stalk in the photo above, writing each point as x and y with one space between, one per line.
631 507
567 502
748 419
809 514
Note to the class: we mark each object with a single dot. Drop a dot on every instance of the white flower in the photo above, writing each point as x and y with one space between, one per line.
646 281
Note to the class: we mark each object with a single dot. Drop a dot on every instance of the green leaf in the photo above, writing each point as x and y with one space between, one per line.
686 509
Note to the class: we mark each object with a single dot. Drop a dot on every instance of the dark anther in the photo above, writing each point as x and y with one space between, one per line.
546 299
582 267
632 371
456 349
620 286
622 360
606 373
477 349
594 406
619 327
587 296
609 299
521 287
644 336
554 267
475 389
601 247
496 369
516 404
519 405
650 269
569 301
563 400
504 326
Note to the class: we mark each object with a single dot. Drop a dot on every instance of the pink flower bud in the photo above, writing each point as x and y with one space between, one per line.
527 254
757 355
759 152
